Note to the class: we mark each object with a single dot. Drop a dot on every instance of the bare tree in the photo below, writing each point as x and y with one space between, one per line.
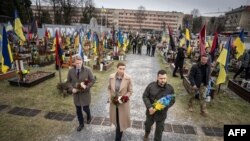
88 10
68 10
140 15
196 13
38 8
55 4
63 10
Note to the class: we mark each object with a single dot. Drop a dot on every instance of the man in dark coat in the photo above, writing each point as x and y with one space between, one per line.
153 44
153 92
80 80
199 77
245 65
139 45
148 47
179 61
134 44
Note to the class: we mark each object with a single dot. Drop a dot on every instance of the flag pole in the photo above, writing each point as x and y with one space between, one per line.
60 76
218 89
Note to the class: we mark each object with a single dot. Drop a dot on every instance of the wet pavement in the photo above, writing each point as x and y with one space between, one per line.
143 70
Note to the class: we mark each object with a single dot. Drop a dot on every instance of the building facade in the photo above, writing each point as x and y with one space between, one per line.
129 20
237 19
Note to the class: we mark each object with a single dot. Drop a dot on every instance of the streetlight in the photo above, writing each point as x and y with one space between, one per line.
102 11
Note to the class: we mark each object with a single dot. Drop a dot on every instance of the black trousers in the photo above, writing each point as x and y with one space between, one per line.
153 51
148 51
134 49
158 129
79 113
139 50
241 70
176 68
118 135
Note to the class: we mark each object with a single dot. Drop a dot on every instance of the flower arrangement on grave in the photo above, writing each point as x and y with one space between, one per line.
163 102
121 52
22 74
111 53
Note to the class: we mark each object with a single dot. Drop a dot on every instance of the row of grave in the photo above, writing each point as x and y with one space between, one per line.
182 129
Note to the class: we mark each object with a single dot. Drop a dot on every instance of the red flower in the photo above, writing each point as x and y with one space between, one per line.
124 99
86 82
115 100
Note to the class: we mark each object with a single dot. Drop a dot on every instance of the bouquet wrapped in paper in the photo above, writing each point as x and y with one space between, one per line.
119 99
163 102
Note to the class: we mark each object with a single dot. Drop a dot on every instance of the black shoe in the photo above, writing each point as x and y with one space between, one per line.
175 75
80 127
89 120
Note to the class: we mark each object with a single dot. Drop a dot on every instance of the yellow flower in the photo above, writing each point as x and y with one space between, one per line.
158 106
25 71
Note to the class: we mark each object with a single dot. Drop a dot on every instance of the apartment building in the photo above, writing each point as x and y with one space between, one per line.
129 20
238 18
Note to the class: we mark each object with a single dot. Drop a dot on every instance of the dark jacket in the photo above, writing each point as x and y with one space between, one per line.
153 43
154 92
81 98
148 44
179 60
246 59
195 75
134 42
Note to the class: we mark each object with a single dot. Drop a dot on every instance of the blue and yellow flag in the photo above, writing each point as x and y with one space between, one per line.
76 41
18 27
95 43
7 58
120 39
187 36
239 43
223 60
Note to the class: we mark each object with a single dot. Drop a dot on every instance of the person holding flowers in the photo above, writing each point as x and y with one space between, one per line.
158 97
120 90
79 81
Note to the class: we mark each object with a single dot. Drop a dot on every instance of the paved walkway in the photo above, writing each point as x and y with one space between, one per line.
143 69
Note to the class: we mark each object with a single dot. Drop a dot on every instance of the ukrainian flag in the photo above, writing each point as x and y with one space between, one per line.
6 53
239 43
223 60
120 39
19 27
188 41
76 42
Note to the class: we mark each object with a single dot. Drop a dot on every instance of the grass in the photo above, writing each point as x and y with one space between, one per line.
226 108
45 97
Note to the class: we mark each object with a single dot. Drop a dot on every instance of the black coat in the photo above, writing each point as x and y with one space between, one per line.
154 92
134 42
195 75
179 60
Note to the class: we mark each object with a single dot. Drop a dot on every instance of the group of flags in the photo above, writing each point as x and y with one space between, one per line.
224 56
7 58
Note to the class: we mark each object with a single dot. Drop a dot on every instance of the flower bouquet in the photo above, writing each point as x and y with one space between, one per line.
163 102
22 74
119 99
79 87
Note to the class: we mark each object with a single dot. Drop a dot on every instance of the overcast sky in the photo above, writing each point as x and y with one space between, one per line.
185 6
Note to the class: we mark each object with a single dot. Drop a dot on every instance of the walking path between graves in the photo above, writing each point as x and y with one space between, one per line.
143 70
